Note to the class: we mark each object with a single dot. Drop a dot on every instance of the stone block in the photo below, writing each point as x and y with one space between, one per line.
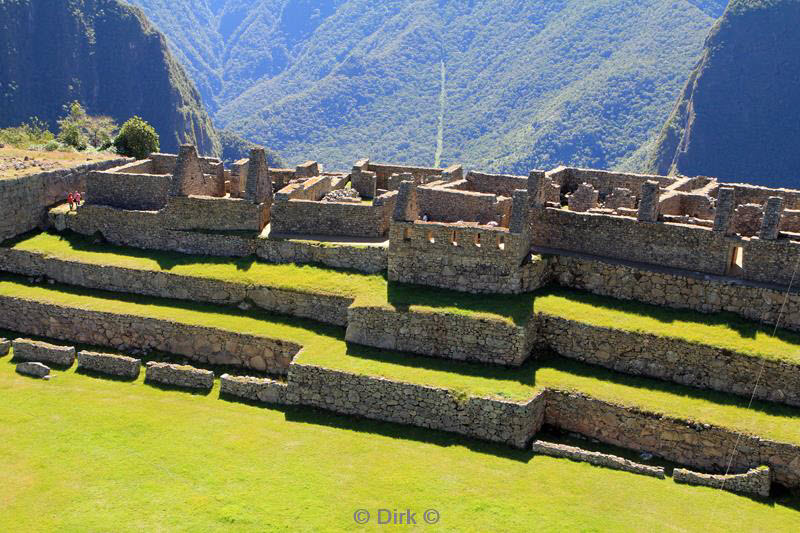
723 215
111 364
5 346
42 352
255 389
37 370
179 376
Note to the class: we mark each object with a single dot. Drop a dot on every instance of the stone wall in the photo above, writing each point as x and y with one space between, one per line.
770 261
700 446
122 332
676 290
263 390
43 352
126 190
671 359
405 403
26 199
446 205
179 376
596 458
217 214
307 217
368 259
499 184
757 481
604 181
469 258
671 245
145 229
441 335
109 364
384 170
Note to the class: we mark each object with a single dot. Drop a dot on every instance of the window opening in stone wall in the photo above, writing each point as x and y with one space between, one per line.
736 266
430 237
501 242
478 240
407 234
454 239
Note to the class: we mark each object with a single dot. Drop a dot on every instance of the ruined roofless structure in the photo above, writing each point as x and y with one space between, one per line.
477 232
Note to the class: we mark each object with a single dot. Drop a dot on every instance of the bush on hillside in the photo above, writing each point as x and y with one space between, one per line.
137 139
71 128
33 132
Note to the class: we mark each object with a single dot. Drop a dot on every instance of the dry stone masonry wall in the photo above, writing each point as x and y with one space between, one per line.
756 481
179 376
43 352
441 335
26 199
110 364
121 331
671 359
378 398
596 458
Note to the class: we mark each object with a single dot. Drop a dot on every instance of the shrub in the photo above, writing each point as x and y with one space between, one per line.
72 128
30 133
137 139
52 146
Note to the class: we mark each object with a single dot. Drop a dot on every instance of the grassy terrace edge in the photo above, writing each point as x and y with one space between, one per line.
722 330
325 346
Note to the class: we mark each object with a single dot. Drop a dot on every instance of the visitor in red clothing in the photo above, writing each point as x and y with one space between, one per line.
77 199
70 199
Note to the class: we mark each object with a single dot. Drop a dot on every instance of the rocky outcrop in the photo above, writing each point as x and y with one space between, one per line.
738 114
104 54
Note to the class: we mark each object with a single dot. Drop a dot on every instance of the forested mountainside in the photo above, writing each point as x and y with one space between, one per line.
739 115
504 85
104 54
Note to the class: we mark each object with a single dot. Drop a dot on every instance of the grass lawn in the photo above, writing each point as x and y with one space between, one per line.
723 330
325 346
86 454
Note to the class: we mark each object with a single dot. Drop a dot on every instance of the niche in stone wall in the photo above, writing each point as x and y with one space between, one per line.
454 238
431 239
501 242
736 264
478 240
407 234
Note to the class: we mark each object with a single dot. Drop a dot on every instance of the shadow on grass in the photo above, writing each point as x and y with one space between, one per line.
320 417
601 374
176 388
109 377
745 328
525 374
516 307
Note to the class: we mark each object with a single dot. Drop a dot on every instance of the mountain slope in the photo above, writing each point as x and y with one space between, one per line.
104 54
738 117
527 84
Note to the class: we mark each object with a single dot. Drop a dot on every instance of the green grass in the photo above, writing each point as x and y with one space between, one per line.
86 454
325 346
368 289
724 330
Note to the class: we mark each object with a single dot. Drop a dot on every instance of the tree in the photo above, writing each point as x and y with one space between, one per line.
72 127
101 130
137 139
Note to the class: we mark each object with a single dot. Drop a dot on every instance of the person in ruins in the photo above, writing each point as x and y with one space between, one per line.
70 199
